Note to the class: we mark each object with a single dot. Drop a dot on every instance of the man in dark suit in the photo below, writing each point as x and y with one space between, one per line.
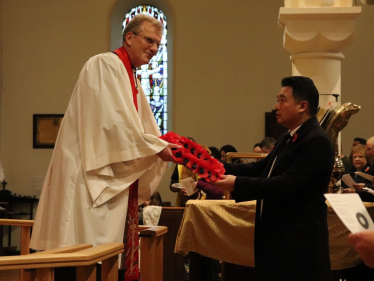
291 234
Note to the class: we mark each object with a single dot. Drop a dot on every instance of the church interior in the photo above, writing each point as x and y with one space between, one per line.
226 60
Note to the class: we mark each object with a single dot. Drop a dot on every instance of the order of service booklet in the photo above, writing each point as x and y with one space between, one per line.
351 211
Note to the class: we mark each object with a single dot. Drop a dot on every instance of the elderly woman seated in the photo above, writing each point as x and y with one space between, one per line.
361 163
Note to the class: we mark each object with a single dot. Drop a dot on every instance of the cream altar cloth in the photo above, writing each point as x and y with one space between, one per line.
224 230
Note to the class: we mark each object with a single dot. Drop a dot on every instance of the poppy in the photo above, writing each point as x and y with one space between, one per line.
194 157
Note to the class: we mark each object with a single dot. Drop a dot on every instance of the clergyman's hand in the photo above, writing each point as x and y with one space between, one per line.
226 183
166 154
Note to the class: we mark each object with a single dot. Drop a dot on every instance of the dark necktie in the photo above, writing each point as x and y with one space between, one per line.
282 149
285 142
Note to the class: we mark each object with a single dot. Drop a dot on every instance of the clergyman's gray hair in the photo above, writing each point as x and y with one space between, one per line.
135 25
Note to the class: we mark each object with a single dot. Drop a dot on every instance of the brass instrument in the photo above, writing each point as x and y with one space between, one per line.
336 121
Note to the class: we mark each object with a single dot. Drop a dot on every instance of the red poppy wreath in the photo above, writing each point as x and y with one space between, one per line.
194 157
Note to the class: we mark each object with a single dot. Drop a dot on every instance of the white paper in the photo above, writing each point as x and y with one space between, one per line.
189 184
347 179
364 175
177 185
351 211
367 189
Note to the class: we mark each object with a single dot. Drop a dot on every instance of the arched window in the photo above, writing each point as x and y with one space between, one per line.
153 76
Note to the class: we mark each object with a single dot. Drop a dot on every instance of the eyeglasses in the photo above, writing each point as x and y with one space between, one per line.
148 40
370 148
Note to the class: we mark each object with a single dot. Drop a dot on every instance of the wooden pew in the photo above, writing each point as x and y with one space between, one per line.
151 252
171 217
152 246
25 232
26 226
82 256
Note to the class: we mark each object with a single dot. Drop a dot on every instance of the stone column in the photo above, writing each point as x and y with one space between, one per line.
316 32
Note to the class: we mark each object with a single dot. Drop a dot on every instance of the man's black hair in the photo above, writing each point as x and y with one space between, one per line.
303 89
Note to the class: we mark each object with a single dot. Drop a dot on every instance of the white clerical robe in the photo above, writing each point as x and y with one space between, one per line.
103 146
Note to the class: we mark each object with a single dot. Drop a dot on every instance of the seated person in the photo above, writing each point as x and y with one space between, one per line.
155 200
358 141
215 152
361 163
181 172
257 148
226 149
267 144
205 191
346 161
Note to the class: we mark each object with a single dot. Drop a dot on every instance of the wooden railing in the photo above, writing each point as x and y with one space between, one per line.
25 232
244 155
85 257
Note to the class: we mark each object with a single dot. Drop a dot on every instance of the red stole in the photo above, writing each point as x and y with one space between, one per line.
124 57
130 257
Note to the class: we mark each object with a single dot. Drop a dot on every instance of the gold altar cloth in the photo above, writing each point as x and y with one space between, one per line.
224 230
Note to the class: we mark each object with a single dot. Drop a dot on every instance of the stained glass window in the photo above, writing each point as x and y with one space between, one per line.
153 76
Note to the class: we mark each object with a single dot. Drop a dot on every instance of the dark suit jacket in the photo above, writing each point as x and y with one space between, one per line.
291 234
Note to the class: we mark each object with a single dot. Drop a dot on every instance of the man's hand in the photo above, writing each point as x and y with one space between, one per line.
166 154
363 242
359 186
226 183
